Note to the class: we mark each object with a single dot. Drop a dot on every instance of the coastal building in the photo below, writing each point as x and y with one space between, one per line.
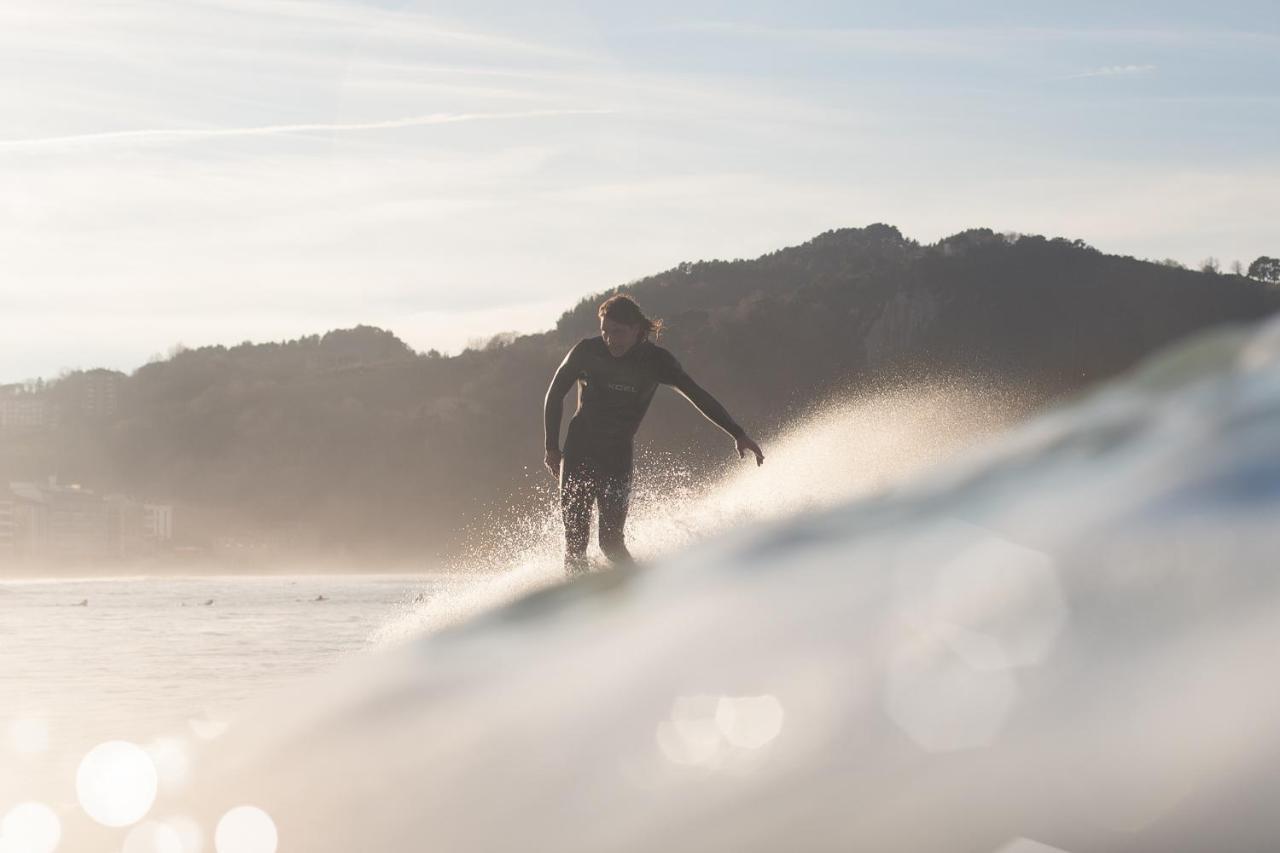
68 523
8 526
157 523
23 408
89 395
99 392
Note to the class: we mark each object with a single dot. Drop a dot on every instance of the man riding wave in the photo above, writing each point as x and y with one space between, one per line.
617 374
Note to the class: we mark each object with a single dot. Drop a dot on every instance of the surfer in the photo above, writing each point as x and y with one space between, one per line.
617 374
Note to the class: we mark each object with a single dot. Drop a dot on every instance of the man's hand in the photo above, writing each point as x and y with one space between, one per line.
552 462
744 444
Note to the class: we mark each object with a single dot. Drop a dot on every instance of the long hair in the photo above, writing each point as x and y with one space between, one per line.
623 309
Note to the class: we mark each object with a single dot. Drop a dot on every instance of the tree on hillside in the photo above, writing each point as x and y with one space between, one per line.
1210 265
362 345
1265 269
497 342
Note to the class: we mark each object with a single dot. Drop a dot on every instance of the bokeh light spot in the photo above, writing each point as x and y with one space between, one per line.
169 755
153 837
189 833
208 726
245 829
998 604
690 735
1005 591
749 721
116 783
941 701
30 828
705 730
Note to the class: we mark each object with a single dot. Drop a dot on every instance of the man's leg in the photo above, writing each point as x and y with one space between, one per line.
576 496
614 496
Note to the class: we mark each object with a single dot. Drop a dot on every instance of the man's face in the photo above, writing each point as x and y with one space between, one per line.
618 337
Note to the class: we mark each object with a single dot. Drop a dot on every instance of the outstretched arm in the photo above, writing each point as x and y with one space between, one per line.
553 407
713 411
705 403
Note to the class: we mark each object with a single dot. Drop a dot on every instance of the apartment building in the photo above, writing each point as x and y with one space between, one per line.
49 521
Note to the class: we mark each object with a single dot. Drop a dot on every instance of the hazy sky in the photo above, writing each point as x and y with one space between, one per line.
212 171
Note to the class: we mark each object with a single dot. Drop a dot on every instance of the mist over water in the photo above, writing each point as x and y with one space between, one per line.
852 448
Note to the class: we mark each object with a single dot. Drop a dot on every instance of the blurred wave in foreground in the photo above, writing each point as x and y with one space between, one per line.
1064 641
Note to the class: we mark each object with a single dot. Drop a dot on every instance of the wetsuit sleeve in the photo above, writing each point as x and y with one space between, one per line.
553 406
673 374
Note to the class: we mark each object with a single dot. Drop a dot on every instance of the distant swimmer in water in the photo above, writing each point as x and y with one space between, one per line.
84 603
209 603
321 598
617 374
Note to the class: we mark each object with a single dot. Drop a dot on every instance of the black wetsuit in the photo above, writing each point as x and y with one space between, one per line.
613 396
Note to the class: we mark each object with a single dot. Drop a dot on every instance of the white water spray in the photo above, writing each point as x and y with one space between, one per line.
838 452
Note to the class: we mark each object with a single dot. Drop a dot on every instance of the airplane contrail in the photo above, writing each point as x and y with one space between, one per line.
166 134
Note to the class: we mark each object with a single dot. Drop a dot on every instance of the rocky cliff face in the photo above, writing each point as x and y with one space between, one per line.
901 329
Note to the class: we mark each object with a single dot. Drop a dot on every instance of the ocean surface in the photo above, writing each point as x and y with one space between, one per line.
140 657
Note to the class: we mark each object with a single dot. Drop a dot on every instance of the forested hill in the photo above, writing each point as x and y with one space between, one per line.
352 443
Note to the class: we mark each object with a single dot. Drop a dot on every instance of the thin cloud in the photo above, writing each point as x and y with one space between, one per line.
1112 71
966 39
290 21
883 40
386 23
178 134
